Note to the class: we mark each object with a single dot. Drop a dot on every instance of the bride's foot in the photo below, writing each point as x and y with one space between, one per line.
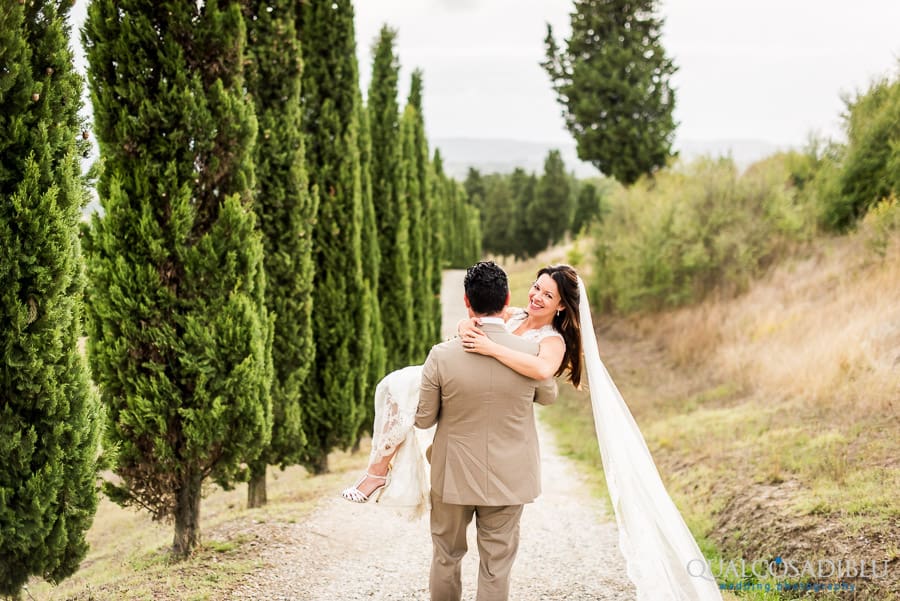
367 486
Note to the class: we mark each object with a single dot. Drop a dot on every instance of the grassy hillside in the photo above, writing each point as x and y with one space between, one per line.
774 416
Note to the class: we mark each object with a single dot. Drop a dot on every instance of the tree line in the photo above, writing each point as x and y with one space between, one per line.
270 244
523 214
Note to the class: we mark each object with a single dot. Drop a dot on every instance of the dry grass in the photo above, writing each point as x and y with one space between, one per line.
824 329
773 416
129 556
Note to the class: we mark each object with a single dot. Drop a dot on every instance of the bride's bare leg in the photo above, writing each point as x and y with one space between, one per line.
384 447
376 468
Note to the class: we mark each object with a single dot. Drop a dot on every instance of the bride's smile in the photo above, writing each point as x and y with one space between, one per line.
543 300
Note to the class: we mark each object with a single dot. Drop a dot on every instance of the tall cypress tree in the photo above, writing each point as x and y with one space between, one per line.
498 236
475 189
529 239
334 406
180 338
437 213
286 213
551 212
426 295
587 208
48 412
612 79
419 277
371 262
395 279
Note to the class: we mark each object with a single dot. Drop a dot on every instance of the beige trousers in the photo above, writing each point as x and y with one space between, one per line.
498 541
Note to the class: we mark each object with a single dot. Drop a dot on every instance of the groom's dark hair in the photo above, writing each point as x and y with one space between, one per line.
486 287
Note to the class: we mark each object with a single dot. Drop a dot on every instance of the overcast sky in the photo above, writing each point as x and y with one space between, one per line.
769 70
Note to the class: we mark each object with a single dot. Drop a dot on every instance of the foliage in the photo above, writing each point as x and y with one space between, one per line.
882 224
334 408
461 222
286 212
49 414
391 210
550 215
529 240
522 215
869 169
371 265
180 338
612 80
499 217
588 208
672 241
426 287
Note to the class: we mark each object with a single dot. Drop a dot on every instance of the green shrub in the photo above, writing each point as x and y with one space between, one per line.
869 170
672 240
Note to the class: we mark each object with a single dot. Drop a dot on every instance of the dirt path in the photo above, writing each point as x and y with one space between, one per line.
351 552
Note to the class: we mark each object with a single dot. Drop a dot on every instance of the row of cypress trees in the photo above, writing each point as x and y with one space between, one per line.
268 247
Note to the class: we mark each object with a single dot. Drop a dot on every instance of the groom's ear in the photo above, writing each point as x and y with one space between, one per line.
508 297
466 300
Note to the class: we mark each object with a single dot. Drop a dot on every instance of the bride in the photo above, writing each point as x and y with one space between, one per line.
658 548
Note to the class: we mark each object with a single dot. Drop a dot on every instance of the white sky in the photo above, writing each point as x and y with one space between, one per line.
769 70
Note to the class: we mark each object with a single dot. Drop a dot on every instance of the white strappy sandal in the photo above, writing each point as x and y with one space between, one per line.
354 495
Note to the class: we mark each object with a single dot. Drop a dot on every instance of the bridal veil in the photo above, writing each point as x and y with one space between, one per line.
653 538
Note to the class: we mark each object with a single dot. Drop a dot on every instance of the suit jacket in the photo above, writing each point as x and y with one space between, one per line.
485 449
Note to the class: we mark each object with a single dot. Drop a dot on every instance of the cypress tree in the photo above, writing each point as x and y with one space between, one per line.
395 279
426 293
529 240
499 232
473 219
462 228
371 262
437 214
612 80
419 277
587 208
286 212
551 212
334 406
48 411
180 338
475 189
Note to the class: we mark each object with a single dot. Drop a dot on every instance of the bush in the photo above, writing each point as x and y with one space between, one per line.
672 240
881 225
869 168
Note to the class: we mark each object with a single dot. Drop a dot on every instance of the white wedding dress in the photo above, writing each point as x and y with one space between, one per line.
658 548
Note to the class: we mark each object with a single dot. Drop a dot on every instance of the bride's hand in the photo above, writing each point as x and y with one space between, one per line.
476 341
470 324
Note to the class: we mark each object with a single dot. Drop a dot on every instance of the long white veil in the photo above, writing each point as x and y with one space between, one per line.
654 540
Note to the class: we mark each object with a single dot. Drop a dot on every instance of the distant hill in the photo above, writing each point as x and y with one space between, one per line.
502 156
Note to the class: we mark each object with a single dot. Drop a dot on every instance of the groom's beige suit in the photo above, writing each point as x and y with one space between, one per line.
484 461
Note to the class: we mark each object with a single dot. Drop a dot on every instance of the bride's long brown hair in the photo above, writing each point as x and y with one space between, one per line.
567 322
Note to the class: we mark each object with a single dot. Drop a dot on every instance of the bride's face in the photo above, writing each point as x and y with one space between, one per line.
543 298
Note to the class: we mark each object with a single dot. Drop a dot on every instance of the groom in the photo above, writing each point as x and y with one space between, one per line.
485 460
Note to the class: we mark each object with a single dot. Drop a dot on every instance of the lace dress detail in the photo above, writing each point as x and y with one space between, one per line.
518 318
396 402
